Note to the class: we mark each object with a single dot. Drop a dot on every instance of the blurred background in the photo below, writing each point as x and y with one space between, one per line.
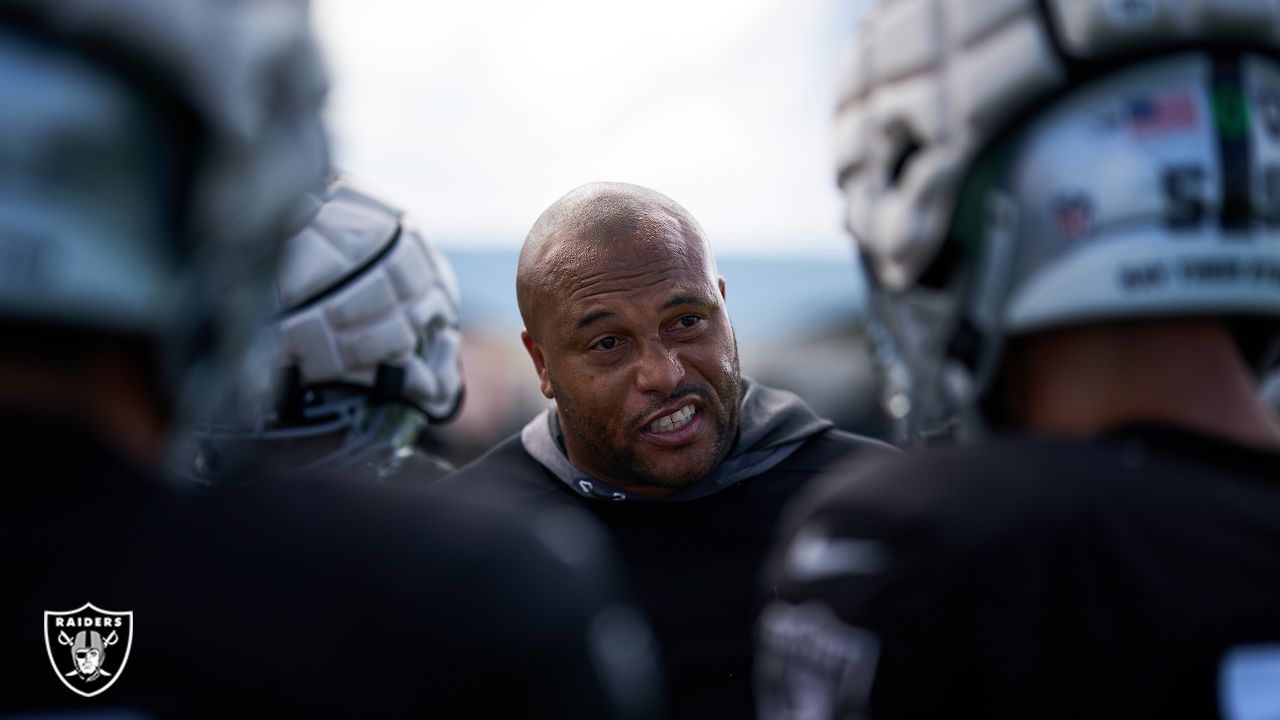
475 116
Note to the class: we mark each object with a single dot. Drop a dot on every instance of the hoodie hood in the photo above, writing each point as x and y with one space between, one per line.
772 425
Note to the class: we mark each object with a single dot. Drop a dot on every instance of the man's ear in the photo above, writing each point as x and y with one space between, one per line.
539 363
721 279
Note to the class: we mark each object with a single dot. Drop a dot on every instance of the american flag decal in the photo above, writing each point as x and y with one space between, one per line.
1073 216
1158 114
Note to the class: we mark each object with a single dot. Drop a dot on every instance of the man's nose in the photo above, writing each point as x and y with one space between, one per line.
660 370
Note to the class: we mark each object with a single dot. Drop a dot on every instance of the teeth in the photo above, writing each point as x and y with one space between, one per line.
674 421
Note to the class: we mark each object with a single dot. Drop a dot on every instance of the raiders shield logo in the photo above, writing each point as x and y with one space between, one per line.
88 646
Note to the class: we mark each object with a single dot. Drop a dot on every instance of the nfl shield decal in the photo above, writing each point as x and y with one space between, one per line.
88 646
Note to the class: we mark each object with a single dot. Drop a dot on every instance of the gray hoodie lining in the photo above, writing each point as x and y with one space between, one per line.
773 425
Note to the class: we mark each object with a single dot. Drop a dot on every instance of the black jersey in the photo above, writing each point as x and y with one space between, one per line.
418 467
338 600
279 460
693 565
1134 576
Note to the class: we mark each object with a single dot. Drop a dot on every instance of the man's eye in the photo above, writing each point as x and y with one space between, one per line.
608 343
689 321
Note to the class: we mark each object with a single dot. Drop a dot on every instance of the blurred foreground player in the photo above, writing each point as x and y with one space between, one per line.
1070 213
361 355
150 153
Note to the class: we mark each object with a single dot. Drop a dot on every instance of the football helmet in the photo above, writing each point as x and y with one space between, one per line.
364 346
1013 166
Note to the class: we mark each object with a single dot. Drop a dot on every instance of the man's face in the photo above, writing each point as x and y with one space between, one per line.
637 351
87 660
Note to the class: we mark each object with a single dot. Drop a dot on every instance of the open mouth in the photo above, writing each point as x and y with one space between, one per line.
676 429
674 421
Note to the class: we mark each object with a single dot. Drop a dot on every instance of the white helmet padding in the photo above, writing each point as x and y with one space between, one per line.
928 83
362 291
363 350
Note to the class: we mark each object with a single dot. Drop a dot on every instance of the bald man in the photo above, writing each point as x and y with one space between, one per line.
653 428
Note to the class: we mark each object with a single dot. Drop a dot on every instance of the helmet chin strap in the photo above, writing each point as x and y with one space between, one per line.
372 436
362 433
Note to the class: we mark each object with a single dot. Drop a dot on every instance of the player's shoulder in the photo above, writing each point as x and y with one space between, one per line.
843 443
417 468
412 542
1049 481
367 512
507 456
967 494
823 452
506 472
440 571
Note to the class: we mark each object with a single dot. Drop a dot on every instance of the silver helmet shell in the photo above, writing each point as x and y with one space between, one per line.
100 88
364 347
361 287
1009 166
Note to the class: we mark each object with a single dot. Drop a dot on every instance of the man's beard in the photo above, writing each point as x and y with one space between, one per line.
626 465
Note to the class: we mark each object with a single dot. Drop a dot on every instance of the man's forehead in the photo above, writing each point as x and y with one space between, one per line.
589 270
605 242
619 284
665 238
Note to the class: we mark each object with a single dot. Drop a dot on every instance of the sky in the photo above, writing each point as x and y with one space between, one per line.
475 115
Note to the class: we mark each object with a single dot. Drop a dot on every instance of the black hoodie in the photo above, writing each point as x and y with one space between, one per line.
693 557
